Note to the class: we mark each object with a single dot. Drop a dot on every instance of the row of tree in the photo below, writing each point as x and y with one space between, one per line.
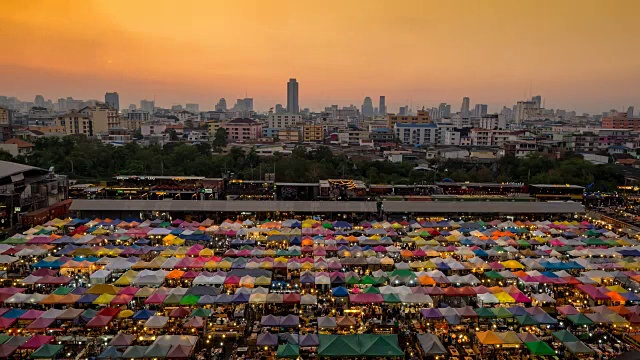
92 160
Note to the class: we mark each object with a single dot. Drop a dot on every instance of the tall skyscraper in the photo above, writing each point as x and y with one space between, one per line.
444 110
367 107
292 97
221 105
538 100
113 100
479 110
148 106
382 108
630 112
464 110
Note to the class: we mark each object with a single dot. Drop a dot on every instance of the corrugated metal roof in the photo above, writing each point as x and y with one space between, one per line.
222 205
8 168
482 207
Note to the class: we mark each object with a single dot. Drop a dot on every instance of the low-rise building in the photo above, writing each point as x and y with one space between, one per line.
151 129
312 133
17 147
416 134
75 123
421 118
283 120
243 129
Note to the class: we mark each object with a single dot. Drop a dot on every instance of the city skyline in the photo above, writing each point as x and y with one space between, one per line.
577 63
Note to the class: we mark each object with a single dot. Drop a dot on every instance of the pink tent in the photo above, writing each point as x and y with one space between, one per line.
155 299
41 323
179 352
36 341
129 290
99 321
31 315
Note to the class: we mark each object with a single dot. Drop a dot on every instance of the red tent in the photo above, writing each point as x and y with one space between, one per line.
291 298
6 323
99 321
109 311
180 312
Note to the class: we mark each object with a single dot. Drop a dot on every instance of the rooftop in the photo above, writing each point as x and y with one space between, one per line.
21 143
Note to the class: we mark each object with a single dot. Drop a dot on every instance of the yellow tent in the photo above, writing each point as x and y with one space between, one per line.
488 338
504 298
125 314
512 264
100 289
104 299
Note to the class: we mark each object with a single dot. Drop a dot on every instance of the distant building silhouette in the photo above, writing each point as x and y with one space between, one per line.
293 106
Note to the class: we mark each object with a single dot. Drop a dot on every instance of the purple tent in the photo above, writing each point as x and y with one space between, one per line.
308 340
431 313
270 320
267 340
289 321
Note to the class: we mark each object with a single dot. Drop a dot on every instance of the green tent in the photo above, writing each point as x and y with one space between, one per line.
381 280
579 319
578 347
288 351
402 273
591 232
540 348
386 346
485 312
391 298
4 338
522 242
527 320
371 290
189 300
338 345
493 274
172 299
294 252
352 280
46 351
594 241
62 290
502 313
564 336
164 224
327 225
367 280
201 312
14 241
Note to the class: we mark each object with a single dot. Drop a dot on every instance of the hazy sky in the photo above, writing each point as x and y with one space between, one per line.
578 54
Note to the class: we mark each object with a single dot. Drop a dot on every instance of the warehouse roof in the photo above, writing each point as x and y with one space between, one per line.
222 205
482 207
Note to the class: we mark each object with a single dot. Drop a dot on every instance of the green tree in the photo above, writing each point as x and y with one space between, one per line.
173 135
5 156
219 139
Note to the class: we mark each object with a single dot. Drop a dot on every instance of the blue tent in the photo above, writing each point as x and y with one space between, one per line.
143 314
240 298
342 225
110 352
14 313
339 292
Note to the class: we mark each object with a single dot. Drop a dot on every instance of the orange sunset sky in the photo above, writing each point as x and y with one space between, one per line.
582 55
